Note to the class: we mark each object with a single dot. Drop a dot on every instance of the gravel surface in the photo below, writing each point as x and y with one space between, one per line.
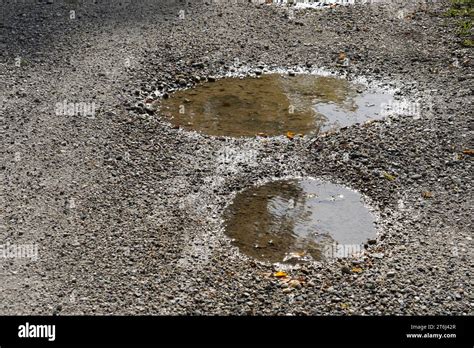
126 210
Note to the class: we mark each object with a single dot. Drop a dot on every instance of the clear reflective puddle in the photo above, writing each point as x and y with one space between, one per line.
290 219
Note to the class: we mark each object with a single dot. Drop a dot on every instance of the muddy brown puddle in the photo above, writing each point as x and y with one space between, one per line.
272 105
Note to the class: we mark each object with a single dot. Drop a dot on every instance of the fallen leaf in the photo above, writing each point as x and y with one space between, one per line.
280 274
388 176
342 56
344 305
427 194
468 152
357 270
290 135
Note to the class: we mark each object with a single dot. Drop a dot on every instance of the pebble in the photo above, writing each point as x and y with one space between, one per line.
346 270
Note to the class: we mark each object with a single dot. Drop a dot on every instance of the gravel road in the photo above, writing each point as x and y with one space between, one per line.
126 210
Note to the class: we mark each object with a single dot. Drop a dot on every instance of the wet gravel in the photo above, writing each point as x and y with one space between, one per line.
127 210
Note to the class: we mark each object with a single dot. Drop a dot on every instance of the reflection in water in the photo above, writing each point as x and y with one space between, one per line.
272 104
298 217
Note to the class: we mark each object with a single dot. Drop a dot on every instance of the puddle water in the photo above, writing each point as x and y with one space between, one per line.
289 219
273 104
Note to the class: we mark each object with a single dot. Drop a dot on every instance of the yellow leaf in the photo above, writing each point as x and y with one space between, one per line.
280 274
388 176
290 135
357 270
344 305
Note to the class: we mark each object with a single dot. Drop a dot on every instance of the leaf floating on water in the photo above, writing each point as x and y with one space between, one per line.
427 194
290 135
280 274
468 152
388 176
357 270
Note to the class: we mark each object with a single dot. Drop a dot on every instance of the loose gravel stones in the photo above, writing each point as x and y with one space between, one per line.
144 234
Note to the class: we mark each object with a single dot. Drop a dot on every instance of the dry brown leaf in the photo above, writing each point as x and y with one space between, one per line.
427 194
468 152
